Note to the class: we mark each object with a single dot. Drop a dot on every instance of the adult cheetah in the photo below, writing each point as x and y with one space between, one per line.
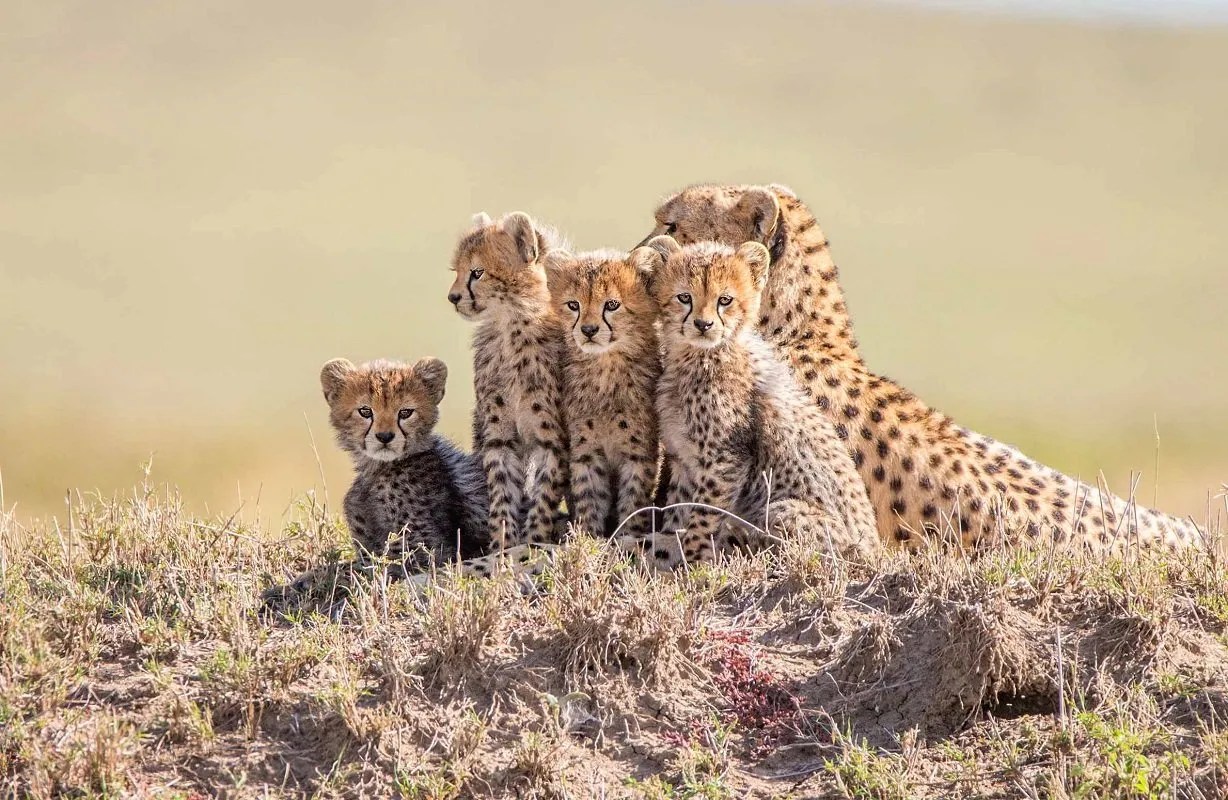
926 474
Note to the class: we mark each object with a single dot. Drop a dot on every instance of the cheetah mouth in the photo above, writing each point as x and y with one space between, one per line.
703 341
383 452
593 346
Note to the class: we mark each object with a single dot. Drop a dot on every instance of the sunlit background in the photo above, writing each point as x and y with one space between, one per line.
201 203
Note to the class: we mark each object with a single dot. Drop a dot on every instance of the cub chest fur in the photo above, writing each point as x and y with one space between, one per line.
416 495
611 400
705 400
518 370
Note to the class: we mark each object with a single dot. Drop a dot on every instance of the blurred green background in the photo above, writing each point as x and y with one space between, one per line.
201 203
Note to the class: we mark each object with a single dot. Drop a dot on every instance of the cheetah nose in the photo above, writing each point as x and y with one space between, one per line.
454 298
703 325
589 330
385 436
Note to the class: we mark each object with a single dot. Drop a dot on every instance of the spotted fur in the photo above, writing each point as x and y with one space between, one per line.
416 500
519 429
740 433
609 383
926 474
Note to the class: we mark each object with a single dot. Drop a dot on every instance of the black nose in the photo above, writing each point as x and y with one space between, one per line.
454 298
589 330
703 325
385 437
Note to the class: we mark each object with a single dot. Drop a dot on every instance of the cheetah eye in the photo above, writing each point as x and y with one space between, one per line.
405 413
671 228
724 300
364 412
476 274
611 305
684 298
572 305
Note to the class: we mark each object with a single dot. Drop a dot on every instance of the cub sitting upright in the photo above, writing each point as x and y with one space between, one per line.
518 424
416 498
610 382
740 433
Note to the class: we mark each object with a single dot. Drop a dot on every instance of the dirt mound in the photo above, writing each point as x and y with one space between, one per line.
133 661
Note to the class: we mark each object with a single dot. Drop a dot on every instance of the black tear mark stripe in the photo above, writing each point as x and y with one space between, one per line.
689 309
606 321
469 288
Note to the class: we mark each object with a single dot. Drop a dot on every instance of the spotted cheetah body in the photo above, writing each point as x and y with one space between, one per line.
519 428
740 433
609 384
927 476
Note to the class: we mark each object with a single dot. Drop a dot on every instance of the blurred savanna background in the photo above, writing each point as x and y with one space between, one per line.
201 203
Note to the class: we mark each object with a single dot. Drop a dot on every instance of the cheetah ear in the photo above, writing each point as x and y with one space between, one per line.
333 377
481 219
665 245
780 188
757 258
519 226
763 209
434 375
557 264
647 262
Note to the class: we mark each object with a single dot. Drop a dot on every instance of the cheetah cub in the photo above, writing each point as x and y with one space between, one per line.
740 432
518 425
609 383
416 497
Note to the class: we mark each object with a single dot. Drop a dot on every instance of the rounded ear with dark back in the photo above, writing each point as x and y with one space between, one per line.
333 376
763 210
756 257
557 264
647 262
434 375
519 226
665 245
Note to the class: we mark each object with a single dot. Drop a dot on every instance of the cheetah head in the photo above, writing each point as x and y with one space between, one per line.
708 293
604 297
730 215
383 410
498 267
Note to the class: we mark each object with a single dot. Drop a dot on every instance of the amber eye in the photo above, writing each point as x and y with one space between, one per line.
364 412
405 413
476 274
724 300
573 305
684 298
611 305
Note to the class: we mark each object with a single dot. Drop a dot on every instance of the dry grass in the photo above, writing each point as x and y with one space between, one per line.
133 662
1028 216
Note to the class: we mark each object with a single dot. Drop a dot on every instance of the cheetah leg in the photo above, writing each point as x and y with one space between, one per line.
660 551
716 490
549 485
590 490
505 485
789 518
637 481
